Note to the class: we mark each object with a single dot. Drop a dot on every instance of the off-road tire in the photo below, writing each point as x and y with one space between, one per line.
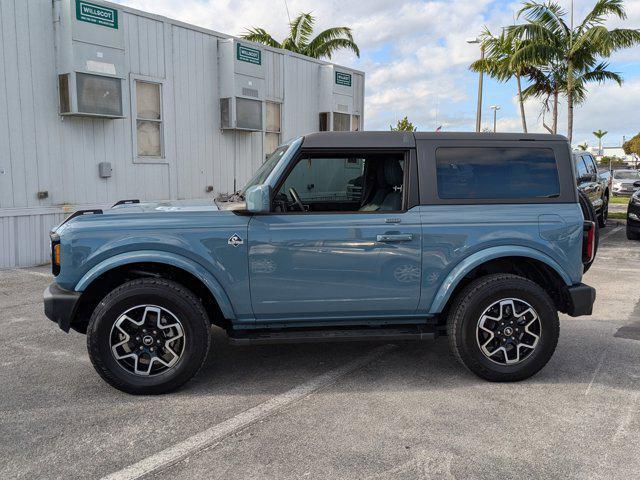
152 291
467 309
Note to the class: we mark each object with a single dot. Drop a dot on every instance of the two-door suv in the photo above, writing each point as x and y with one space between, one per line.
339 236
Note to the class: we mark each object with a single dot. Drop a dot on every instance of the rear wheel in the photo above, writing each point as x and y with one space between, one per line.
148 336
503 327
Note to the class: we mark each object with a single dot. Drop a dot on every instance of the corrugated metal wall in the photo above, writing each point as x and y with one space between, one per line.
41 151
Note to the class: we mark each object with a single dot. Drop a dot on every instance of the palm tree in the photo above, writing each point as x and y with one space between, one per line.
549 40
497 63
324 45
599 134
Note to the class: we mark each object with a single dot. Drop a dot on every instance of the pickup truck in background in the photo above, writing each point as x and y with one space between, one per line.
595 187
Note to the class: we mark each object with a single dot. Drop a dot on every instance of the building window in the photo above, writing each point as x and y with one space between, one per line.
273 117
271 142
324 122
341 122
355 123
148 119
272 128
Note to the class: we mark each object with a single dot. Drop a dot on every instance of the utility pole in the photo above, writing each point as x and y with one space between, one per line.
495 109
480 79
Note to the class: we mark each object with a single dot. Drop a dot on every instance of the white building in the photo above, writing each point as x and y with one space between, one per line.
614 152
100 102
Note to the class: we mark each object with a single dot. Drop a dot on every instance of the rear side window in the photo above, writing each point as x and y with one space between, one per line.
581 167
496 173
591 166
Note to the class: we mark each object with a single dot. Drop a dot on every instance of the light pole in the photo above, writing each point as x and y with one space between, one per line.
495 109
480 75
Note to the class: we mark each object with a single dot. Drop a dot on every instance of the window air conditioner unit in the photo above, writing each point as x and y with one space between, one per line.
237 113
90 60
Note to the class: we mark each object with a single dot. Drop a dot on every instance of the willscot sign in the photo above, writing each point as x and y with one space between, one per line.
97 14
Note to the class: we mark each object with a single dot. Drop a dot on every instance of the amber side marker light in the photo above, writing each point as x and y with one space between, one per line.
55 254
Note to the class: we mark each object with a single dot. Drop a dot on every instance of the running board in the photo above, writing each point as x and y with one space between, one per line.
385 334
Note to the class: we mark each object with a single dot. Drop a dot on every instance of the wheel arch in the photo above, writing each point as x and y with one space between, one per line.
523 261
115 271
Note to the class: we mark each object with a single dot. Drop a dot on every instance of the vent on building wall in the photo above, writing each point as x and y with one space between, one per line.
342 108
250 92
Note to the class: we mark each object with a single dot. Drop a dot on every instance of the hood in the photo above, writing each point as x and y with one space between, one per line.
147 213
204 205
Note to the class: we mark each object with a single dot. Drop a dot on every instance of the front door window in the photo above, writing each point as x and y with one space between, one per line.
357 183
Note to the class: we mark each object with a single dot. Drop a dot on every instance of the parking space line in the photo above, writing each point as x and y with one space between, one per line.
608 234
216 433
595 372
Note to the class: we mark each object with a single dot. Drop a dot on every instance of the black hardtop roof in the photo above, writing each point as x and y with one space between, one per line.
382 139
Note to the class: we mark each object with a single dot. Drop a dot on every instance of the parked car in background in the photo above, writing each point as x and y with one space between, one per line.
594 186
633 217
625 182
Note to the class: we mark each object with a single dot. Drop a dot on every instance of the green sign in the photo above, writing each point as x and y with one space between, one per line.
343 79
248 54
92 13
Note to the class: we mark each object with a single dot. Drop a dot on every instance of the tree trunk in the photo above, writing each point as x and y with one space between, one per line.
555 111
570 101
521 101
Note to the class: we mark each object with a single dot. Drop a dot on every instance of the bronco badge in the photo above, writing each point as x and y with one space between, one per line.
235 240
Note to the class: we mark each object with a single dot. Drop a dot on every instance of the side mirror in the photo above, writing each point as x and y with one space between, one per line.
258 198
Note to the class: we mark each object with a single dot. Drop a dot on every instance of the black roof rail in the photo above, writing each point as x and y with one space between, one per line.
126 202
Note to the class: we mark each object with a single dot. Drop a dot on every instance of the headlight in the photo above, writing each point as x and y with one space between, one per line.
635 199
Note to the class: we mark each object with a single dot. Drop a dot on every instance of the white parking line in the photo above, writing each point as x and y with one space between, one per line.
608 234
211 436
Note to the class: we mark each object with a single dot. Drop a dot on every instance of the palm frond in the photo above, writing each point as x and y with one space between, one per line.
327 49
601 10
600 74
260 35
621 38
328 35
301 29
549 14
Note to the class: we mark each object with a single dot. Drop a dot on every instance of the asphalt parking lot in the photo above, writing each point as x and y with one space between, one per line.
357 410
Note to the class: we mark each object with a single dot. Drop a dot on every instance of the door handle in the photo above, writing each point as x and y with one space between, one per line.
395 237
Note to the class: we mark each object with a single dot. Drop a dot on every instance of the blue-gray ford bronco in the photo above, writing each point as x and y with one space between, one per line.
381 236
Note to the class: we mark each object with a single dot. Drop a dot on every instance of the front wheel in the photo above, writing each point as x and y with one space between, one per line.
604 213
632 235
503 327
148 336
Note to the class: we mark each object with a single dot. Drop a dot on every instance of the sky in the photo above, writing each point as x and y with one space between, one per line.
416 57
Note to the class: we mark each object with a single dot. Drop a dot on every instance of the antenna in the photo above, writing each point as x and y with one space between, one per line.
287 8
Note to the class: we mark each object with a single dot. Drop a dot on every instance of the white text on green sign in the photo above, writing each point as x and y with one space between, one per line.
249 55
92 13
343 79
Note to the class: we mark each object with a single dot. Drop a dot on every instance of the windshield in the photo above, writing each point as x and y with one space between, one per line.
626 175
266 168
